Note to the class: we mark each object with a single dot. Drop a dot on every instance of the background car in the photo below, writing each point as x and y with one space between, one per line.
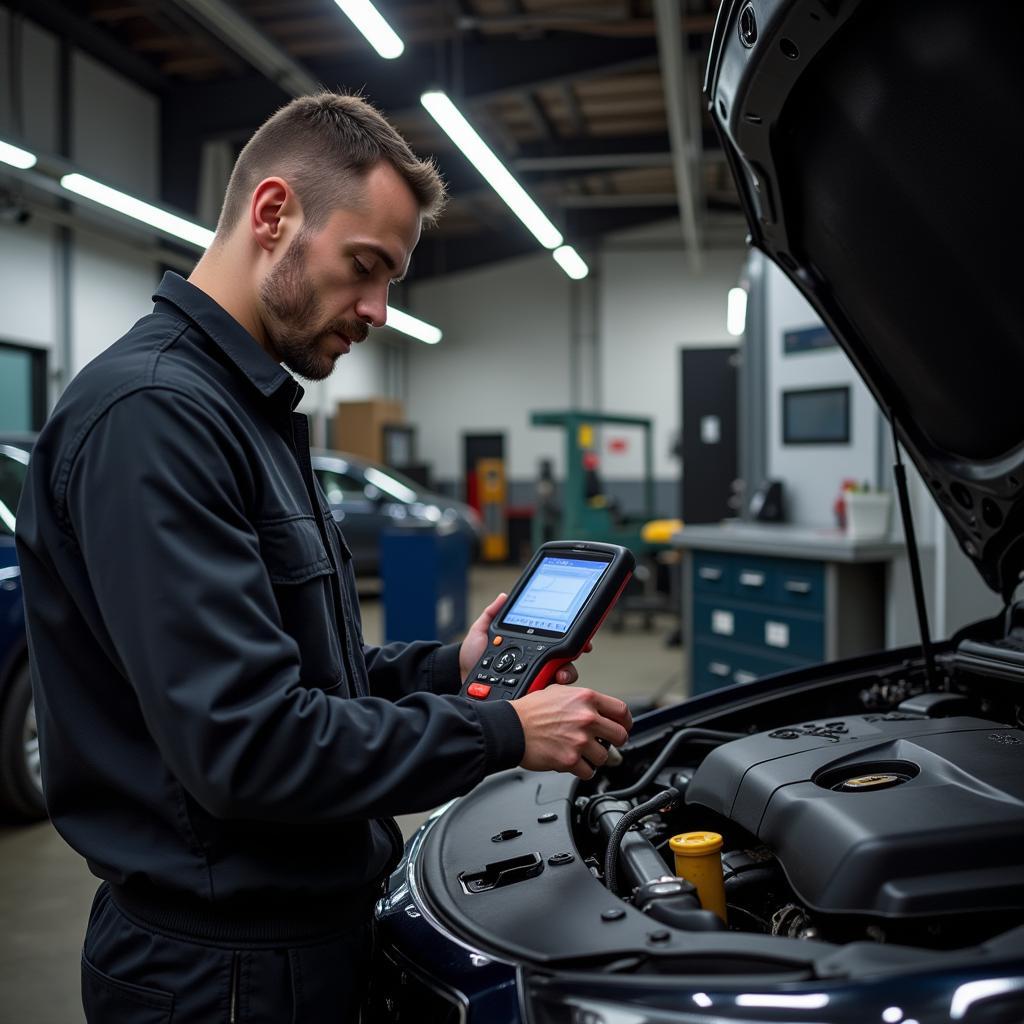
21 790
368 498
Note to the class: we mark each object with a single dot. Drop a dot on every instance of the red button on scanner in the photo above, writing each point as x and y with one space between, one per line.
478 690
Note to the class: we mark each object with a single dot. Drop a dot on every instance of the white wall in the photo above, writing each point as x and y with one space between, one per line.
114 136
28 265
652 305
507 350
814 473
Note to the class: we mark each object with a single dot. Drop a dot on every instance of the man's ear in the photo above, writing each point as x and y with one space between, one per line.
272 205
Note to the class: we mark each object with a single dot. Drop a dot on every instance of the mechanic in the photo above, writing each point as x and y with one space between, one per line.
217 740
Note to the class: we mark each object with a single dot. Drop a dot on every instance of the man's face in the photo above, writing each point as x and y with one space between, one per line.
329 287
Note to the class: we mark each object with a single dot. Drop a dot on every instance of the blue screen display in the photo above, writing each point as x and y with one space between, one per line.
557 590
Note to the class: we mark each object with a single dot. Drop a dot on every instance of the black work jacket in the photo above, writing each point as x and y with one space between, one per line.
211 722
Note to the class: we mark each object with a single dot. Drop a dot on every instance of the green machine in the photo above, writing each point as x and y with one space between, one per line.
586 513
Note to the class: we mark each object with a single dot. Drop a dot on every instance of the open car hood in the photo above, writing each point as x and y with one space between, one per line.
878 161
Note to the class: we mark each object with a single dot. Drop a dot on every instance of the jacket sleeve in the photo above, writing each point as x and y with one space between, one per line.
397 670
156 499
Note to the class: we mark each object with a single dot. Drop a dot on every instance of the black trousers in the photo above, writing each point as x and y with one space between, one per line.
133 973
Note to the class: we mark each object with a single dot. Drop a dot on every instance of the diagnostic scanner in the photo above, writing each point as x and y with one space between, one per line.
553 611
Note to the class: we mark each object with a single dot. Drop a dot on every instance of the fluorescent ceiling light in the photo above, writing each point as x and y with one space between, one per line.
20 158
480 155
571 262
379 34
415 328
736 312
169 223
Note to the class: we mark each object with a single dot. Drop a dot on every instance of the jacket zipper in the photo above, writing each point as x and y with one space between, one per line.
235 971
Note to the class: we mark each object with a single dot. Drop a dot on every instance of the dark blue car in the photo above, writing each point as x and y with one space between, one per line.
859 824
20 783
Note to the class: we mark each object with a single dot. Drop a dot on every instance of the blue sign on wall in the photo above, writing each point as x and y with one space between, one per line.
807 339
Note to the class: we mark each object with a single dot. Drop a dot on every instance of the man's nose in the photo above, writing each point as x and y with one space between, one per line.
372 307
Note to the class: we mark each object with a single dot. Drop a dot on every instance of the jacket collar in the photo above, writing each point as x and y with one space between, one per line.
267 376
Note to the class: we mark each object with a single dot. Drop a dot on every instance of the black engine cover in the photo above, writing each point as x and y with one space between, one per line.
888 815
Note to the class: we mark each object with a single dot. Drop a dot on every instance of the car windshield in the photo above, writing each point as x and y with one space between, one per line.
13 468
340 486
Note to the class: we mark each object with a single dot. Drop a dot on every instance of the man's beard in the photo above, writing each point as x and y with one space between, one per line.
296 328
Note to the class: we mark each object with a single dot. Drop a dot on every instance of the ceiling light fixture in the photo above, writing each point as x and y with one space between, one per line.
736 312
169 223
20 158
379 34
413 326
571 262
480 155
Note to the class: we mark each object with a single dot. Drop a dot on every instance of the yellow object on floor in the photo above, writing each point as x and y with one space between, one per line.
660 531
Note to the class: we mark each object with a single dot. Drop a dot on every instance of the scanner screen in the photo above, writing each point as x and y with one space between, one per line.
555 593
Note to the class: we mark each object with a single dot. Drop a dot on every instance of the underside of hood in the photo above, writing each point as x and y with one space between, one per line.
877 151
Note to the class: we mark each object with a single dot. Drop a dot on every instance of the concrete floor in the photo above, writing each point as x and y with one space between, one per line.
46 890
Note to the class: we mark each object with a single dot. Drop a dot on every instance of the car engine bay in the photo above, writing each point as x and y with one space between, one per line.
897 817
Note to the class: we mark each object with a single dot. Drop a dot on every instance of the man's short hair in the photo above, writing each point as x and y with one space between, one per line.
323 146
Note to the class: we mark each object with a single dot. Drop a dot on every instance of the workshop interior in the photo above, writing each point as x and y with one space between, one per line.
712 363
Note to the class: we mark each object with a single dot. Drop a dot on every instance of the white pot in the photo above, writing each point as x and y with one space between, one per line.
867 515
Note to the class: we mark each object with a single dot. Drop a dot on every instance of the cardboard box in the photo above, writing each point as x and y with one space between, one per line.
357 426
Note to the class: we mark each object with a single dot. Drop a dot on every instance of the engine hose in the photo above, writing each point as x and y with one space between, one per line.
681 737
666 798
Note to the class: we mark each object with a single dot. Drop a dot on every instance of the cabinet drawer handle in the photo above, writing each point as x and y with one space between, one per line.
718 668
798 586
743 677
751 579
709 572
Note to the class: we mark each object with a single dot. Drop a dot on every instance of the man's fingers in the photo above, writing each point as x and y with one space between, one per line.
567 675
594 753
613 708
606 729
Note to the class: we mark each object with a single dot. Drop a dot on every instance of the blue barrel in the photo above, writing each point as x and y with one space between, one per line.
425 576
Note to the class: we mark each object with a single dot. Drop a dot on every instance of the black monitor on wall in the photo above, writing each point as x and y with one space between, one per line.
816 416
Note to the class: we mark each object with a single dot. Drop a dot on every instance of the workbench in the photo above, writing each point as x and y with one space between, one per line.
763 598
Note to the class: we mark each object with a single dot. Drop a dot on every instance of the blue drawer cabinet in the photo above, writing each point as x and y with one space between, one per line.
754 614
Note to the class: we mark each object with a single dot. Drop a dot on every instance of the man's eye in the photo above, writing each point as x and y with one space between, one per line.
361 269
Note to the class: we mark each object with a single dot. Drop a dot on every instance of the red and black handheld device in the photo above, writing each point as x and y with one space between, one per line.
555 608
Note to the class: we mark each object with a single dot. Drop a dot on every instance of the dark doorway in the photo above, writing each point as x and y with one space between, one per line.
710 460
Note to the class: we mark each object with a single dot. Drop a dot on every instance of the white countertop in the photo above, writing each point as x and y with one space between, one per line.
783 540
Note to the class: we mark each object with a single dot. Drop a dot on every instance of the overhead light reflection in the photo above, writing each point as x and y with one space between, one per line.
813 1001
975 991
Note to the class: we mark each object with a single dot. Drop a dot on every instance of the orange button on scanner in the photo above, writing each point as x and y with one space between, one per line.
478 690
498 641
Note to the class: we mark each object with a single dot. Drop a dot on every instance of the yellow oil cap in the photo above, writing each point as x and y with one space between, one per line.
695 844
699 860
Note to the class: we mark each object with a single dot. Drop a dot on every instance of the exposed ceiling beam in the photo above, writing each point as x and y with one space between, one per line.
673 53
577 121
539 116
86 36
248 41
617 201
591 161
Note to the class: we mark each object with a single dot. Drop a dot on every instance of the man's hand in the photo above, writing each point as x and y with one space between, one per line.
476 641
562 727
